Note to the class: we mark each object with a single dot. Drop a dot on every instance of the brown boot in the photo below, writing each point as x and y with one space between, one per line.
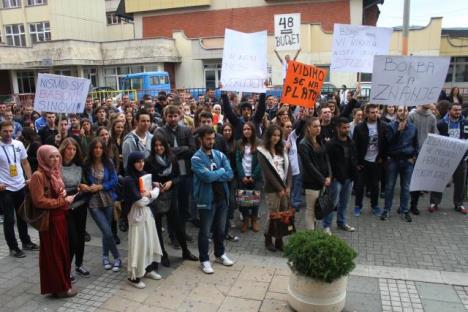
279 243
269 243
245 225
255 226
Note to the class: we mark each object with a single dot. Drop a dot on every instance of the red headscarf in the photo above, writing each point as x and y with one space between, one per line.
54 174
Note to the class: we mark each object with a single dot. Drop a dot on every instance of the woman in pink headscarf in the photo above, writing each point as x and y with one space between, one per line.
48 192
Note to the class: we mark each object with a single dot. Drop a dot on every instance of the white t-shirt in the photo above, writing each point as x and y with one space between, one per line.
15 151
247 160
373 146
293 159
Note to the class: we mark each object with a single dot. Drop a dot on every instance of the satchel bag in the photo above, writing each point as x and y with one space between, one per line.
162 204
324 204
248 198
281 222
36 217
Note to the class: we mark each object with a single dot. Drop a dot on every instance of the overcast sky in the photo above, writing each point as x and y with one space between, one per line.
454 12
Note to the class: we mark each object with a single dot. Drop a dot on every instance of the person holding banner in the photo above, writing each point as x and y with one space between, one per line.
455 126
402 140
285 62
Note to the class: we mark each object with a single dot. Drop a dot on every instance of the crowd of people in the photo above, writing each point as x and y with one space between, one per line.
201 152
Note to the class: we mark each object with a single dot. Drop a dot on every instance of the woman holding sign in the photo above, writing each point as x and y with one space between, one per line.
144 250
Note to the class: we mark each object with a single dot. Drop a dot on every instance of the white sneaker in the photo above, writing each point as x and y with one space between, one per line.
206 267
224 260
153 275
327 230
139 285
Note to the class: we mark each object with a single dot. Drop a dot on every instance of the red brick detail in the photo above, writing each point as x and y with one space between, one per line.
213 23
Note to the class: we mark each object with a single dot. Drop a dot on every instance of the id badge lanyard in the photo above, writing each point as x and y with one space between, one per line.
12 166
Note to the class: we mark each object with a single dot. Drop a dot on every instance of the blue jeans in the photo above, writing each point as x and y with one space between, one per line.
405 169
297 200
214 220
340 193
103 219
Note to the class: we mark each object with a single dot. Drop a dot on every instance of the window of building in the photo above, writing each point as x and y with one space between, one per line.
212 75
65 72
36 2
9 4
365 77
91 74
113 75
26 83
458 70
15 35
39 32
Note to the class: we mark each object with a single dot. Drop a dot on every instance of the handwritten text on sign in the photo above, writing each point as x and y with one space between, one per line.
288 31
244 61
302 84
436 163
60 94
354 47
408 80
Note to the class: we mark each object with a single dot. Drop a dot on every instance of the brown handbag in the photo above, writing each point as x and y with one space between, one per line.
36 217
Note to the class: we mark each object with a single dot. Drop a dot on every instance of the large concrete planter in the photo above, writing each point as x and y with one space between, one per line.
306 294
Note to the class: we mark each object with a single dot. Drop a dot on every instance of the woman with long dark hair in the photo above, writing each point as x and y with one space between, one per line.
315 165
248 173
72 175
116 140
274 162
31 142
162 165
49 194
455 96
102 180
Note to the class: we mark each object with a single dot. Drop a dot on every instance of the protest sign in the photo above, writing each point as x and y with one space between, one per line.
60 94
302 84
436 163
354 47
288 31
408 80
244 61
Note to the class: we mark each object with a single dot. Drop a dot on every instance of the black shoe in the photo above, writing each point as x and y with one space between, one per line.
165 260
18 253
384 216
414 211
117 240
87 237
187 255
123 225
406 217
30 246
188 238
175 244
82 271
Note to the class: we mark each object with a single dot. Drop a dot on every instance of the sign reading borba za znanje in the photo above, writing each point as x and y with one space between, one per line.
60 94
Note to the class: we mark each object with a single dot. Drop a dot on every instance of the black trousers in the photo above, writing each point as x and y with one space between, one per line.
76 219
369 177
175 222
10 202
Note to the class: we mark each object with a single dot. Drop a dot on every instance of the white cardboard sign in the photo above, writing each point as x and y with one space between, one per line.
408 80
288 31
436 163
354 47
60 94
244 61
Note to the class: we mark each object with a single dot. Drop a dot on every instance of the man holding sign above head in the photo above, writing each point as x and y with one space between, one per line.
285 62
453 125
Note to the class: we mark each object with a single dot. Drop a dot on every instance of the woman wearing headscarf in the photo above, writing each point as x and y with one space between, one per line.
144 250
49 193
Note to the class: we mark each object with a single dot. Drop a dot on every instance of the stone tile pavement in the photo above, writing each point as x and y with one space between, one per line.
401 267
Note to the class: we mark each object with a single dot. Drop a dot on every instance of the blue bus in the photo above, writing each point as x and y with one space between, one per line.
147 83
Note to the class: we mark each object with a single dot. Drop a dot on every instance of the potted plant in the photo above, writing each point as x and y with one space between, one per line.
320 264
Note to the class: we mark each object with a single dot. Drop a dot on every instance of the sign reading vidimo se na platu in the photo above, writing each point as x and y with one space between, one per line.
302 84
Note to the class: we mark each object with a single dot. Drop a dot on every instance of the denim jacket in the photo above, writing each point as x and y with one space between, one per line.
109 181
203 176
402 145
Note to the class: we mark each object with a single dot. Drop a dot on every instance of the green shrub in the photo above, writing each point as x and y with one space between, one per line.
318 255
